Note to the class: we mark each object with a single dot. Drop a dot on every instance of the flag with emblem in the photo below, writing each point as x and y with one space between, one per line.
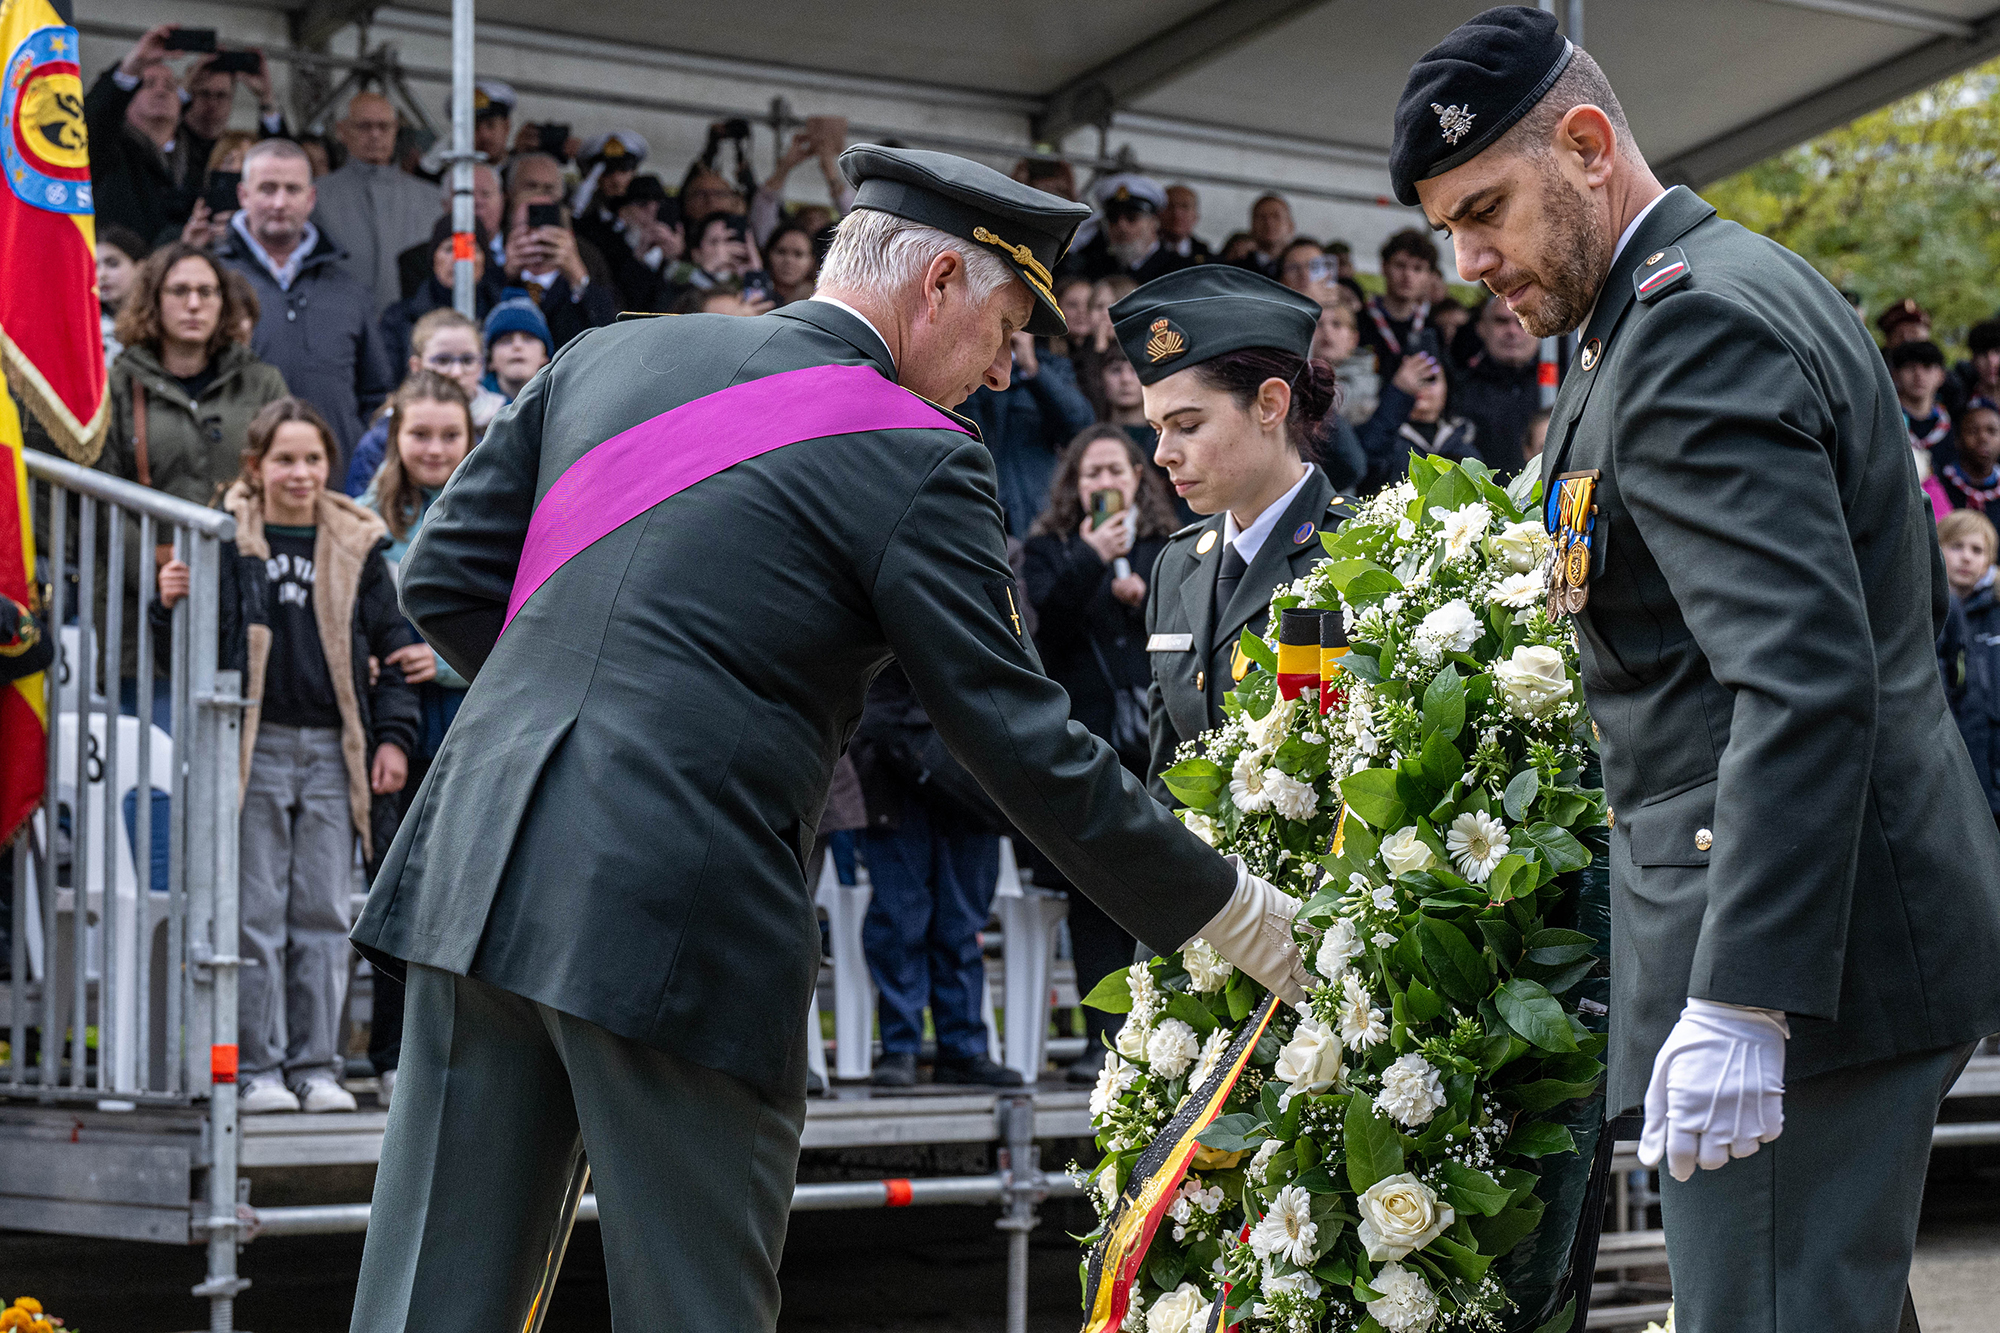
24 719
50 337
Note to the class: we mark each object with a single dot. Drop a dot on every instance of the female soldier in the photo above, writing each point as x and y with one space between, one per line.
1222 354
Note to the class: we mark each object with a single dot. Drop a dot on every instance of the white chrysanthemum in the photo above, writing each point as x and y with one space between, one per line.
1112 1081
1287 1231
1290 797
1463 527
1452 628
1146 1001
1361 1024
1212 1052
1200 825
1248 782
1476 842
1261 1162
1406 1304
1521 545
1171 1049
1518 591
1338 947
1208 971
1411 1092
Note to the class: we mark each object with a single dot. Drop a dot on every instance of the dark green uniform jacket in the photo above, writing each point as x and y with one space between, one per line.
618 822
1797 824
1192 650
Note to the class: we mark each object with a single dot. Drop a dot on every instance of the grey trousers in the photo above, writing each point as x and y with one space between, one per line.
1813 1233
495 1097
297 870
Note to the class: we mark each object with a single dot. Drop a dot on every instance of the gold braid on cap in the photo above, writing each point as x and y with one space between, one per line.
1037 275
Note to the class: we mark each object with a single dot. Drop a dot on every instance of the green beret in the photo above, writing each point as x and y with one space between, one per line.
1026 227
1200 313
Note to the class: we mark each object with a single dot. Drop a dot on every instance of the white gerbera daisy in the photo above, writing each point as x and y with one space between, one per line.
1463 527
1248 782
1361 1024
1212 1052
1112 1081
1518 590
1476 842
1287 1231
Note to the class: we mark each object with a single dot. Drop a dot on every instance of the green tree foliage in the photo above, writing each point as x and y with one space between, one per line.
1902 202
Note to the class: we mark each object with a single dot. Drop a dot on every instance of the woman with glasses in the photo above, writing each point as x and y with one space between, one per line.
183 392
445 343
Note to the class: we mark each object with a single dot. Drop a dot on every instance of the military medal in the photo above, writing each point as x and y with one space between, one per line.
1570 515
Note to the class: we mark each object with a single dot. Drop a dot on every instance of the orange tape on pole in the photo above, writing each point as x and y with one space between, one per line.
899 1193
222 1064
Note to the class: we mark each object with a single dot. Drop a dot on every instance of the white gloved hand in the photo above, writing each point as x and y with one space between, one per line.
1254 931
1718 1087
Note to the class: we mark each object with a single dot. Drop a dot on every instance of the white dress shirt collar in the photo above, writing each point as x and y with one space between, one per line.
836 301
1248 541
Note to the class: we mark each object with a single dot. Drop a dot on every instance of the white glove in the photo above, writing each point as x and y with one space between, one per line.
1254 931
1718 1087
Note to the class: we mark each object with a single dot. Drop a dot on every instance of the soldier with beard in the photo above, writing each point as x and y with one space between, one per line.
1805 876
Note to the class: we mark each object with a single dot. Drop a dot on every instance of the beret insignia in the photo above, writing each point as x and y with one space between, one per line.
1454 122
1166 343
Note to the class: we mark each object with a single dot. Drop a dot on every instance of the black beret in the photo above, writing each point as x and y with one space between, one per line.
1471 88
1028 228
1200 313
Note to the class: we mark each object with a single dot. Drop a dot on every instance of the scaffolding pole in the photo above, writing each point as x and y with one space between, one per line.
464 296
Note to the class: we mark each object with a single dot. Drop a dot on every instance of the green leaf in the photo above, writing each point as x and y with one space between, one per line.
1422 1003
1545 1093
1564 1321
1540 1138
1196 782
1521 793
1502 939
1453 490
1556 980
1370 586
1318 1181
1233 1133
1562 852
1166 1266
1113 994
1444 704
1499 1050
1371 795
1508 880
1536 1015
1457 967
1192 1012
1374 1152
1284 1124
1257 650
1341 572
1442 763
1362 665
1472 1191
1461 1261
1554 948
1498 1235
1239 997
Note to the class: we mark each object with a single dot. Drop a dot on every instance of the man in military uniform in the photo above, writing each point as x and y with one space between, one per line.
670 570
1806 880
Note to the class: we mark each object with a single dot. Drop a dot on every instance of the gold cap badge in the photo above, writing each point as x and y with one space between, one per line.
1166 343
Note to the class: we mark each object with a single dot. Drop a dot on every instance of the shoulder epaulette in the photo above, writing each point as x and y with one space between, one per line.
1190 530
1663 271
624 315
1342 508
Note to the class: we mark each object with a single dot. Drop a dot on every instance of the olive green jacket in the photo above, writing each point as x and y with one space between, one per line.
1797 825
618 821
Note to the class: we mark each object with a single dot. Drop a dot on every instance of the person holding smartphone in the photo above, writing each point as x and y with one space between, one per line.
543 260
132 115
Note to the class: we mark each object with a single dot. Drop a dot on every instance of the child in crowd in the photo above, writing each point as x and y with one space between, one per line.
1413 418
442 342
430 430
327 732
517 344
1973 481
1971 648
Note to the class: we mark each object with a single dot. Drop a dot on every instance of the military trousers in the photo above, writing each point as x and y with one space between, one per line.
496 1098
1813 1232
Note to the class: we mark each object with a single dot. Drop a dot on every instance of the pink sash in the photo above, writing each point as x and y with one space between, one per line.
632 471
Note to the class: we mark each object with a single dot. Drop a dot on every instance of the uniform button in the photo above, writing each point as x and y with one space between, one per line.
1703 840
1201 680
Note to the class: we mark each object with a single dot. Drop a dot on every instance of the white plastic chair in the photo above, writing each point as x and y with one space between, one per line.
853 989
1029 916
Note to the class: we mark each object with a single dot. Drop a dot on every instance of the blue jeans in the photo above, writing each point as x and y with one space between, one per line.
932 890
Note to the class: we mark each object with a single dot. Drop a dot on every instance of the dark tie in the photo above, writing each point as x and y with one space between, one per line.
1226 579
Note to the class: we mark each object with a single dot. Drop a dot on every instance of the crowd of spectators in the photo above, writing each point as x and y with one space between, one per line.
278 313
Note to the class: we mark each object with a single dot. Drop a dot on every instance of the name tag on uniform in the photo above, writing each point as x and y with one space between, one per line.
1170 643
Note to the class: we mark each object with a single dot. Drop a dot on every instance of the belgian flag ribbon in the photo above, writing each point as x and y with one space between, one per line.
1128 1232
1298 652
1332 647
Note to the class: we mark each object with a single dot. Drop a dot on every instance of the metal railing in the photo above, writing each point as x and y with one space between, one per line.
124 954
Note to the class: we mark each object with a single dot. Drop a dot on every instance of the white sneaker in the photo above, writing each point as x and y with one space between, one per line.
264 1093
320 1092
385 1087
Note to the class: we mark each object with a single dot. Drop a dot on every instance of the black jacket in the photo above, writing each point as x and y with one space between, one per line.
1071 591
1499 400
1972 681
129 177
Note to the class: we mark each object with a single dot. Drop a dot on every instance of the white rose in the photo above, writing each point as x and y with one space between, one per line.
1453 627
1171 1049
1200 825
1177 1311
1521 545
1400 1214
1406 1304
1533 680
1412 1092
1268 731
1405 852
1309 1062
1207 971
1131 1039
1518 591
1290 797
1463 527
1338 947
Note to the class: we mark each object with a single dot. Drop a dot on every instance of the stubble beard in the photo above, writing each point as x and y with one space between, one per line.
1570 269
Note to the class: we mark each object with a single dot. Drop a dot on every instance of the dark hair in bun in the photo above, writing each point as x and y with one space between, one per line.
1241 373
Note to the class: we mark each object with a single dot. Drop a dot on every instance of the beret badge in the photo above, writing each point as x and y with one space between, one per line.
1454 122
1166 343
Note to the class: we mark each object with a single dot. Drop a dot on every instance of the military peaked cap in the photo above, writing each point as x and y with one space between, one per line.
1200 313
1027 228
1471 88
